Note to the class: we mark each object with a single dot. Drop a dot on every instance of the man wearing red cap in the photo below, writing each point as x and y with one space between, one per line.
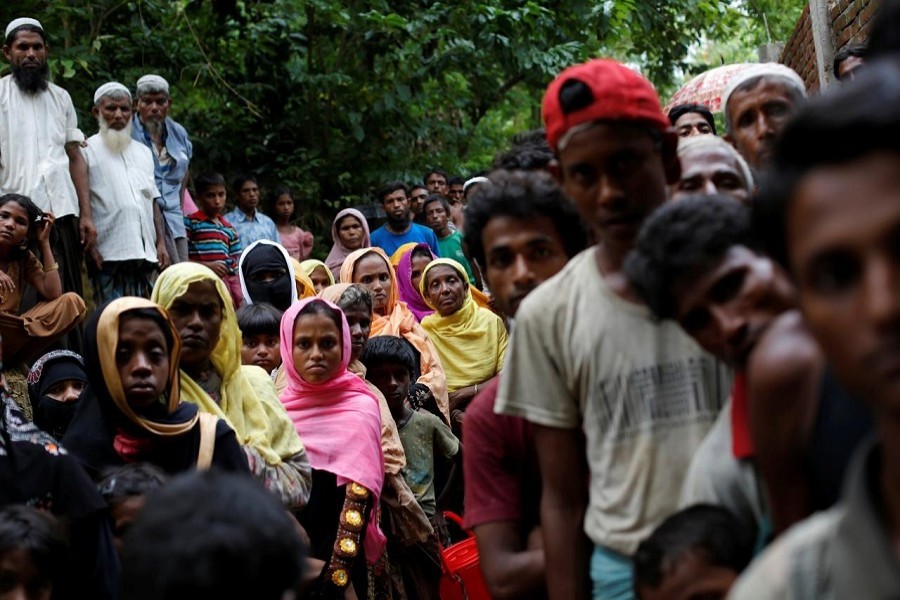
586 353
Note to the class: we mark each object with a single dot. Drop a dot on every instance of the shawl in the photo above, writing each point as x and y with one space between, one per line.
401 322
339 252
401 252
312 264
263 255
339 421
471 342
307 289
248 401
408 293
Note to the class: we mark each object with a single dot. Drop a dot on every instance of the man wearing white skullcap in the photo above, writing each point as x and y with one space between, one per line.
757 103
710 165
130 248
172 150
39 151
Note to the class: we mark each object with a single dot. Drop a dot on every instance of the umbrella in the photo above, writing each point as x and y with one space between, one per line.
707 87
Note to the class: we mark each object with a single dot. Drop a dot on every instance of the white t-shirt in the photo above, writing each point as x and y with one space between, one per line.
644 393
34 131
123 189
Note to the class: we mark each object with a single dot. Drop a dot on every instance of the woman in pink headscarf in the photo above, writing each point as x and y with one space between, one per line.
350 231
339 420
409 271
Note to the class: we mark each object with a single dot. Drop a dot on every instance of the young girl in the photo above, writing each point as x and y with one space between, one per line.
298 243
339 420
32 554
25 335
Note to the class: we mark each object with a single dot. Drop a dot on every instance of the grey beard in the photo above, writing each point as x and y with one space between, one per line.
154 126
32 81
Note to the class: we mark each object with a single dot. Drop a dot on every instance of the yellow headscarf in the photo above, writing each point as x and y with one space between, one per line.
399 252
312 264
248 401
401 322
471 342
300 276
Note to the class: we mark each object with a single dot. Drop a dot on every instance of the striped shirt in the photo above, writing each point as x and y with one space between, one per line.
212 240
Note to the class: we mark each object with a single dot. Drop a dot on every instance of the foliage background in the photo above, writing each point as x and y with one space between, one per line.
332 98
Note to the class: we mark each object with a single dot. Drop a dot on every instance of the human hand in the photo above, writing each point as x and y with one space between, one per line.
162 255
44 227
7 285
96 258
219 268
87 233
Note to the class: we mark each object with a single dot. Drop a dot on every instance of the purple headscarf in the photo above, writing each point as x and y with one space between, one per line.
408 293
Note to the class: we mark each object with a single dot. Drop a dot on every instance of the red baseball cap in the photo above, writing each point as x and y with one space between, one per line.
599 90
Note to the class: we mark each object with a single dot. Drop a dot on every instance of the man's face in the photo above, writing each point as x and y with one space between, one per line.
757 118
396 206
153 108
614 173
417 196
456 193
727 308
691 124
437 184
248 196
27 51
212 200
843 238
848 66
436 217
520 255
710 171
116 113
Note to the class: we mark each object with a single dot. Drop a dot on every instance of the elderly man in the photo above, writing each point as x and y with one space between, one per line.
39 148
710 165
130 245
172 151
757 104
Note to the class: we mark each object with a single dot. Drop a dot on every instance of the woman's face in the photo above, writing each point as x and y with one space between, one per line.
14 224
142 359
284 206
67 390
418 264
317 347
197 315
319 278
350 232
445 289
373 273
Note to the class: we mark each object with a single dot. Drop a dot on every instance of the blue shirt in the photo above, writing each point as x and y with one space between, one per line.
168 176
390 241
251 229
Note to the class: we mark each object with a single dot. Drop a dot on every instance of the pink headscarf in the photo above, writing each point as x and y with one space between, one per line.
408 292
338 251
339 422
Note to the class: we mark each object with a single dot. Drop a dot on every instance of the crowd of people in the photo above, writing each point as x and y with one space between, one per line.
641 360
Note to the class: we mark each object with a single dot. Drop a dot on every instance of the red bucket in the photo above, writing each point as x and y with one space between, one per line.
462 579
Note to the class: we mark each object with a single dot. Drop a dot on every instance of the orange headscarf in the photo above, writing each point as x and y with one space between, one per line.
400 321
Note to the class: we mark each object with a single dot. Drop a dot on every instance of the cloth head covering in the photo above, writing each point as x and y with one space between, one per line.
152 82
264 255
697 142
22 22
300 276
339 421
401 322
474 181
769 69
408 293
471 342
401 251
339 252
268 432
109 87
54 367
311 264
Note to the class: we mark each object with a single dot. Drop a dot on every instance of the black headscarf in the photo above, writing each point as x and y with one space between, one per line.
50 414
261 257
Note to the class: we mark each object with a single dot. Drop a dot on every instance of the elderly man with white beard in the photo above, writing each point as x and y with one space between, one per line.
130 247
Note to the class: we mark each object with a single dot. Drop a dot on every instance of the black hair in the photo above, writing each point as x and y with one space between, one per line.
389 349
389 188
126 481
436 198
864 114
157 317
238 182
523 195
259 318
27 528
273 199
423 251
528 151
205 181
857 50
34 215
416 186
435 171
680 110
355 295
211 534
15 32
319 307
884 35
456 181
709 530
680 242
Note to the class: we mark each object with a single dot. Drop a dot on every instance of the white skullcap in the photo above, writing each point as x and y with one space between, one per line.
16 23
770 69
709 141
108 88
474 181
154 82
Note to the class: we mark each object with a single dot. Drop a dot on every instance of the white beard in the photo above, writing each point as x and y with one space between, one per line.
117 141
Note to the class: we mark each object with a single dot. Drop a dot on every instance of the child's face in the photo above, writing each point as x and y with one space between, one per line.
67 390
14 224
261 350
284 206
20 577
212 200
142 359
317 348
124 512
691 577
319 278
393 380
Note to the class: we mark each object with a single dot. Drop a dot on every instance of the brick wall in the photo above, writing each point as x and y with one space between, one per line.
849 24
